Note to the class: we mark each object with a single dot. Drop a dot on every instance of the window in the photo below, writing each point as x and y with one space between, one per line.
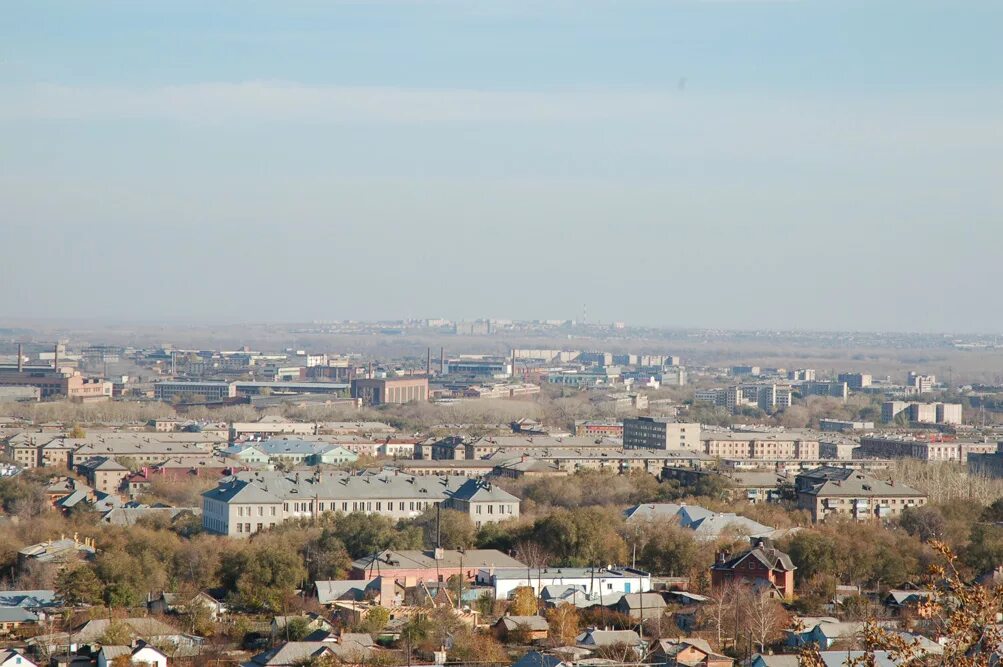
259 526
379 506
247 527
273 510
240 527
261 510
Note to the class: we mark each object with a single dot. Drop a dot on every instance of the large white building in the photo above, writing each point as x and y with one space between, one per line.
249 502
593 582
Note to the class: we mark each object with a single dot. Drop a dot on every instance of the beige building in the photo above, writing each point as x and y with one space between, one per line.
377 391
828 491
103 474
653 433
754 445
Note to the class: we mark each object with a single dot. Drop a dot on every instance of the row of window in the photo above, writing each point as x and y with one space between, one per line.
502 509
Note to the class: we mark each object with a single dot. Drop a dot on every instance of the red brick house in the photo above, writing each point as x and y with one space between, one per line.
763 565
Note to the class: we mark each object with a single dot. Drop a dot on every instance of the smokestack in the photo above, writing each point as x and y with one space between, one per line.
55 357
513 363
428 362
442 361
20 358
370 376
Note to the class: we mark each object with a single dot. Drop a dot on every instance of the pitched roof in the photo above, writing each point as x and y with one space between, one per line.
341 589
537 659
534 623
390 560
770 557
608 637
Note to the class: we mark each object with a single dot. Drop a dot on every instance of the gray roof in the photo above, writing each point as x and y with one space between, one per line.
608 637
341 589
128 516
292 653
535 623
274 487
16 615
832 481
650 511
537 659
30 599
830 658
413 559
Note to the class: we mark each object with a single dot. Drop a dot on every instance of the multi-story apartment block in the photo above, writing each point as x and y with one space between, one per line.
922 449
842 426
774 396
833 389
829 491
654 433
920 384
754 445
250 502
801 375
855 381
922 413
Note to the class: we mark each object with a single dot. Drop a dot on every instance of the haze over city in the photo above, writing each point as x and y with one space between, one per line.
813 165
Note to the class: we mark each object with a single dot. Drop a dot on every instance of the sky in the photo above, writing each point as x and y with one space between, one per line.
681 163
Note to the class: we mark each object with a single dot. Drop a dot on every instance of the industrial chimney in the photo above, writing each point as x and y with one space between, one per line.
20 358
428 362
55 357
442 361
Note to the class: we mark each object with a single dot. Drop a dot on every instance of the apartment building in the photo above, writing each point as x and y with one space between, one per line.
920 384
830 491
838 390
655 433
923 449
270 426
103 474
601 429
922 413
755 445
855 381
250 502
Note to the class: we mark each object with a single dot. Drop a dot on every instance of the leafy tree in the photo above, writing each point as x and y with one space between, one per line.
925 522
296 628
455 529
672 551
563 622
79 585
376 619
117 634
523 602
77 432
476 647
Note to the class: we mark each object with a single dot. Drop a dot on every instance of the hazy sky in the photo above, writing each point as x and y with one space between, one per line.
738 163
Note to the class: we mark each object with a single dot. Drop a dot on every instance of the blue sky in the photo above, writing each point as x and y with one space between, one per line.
730 163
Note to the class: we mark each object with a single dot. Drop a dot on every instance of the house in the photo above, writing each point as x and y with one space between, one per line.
149 629
313 622
291 654
531 628
764 565
824 632
11 657
35 600
141 654
330 591
13 618
103 473
136 484
56 553
595 582
689 652
707 525
167 603
411 566
537 659
899 600
641 606
595 638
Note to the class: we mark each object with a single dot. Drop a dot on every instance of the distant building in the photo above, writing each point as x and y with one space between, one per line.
833 389
603 429
745 370
755 445
843 426
654 433
920 384
922 413
168 390
855 381
801 375
924 449
378 391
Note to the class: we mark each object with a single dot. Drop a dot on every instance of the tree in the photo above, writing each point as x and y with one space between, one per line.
563 622
79 585
925 522
763 617
523 602
296 628
376 619
672 551
475 647
117 634
454 529
77 432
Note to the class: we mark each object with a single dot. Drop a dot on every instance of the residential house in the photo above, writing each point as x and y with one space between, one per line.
14 618
525 628
688 652
410 567
140 654
313 622
641 606
762 566
595 638
103 473
12 657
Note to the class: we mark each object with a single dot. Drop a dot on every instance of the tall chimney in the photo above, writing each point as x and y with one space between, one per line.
55 357
20 358
428 362
370 370
442 361
513 363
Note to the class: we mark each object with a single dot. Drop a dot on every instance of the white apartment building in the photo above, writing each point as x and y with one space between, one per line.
249 502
